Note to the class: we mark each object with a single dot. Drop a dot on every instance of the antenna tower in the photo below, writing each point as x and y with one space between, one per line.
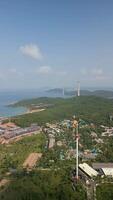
78 88
63 92
75 131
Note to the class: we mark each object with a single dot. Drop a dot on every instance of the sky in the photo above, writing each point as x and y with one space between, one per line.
55 43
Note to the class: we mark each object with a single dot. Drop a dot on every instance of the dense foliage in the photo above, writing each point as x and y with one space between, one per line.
107 151
105 192
43 185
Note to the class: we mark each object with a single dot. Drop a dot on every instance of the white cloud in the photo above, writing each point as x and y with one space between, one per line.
44 70
31 50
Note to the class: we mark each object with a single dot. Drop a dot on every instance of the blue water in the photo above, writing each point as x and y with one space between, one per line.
8 97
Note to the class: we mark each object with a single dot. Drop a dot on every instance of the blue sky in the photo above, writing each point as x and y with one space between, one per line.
56 43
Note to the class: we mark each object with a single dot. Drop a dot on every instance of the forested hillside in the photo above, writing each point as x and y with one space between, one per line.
42 185
89 108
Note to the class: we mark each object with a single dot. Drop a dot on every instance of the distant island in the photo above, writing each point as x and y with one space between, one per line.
90 108
67 92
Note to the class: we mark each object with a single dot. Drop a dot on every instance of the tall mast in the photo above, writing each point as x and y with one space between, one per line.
78 88
63 91
77 137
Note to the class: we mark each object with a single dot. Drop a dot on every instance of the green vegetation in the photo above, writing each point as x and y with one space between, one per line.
86 139
42 185
37 101
51 179
51 159
105 192
107 151
89 108
13 155
39 184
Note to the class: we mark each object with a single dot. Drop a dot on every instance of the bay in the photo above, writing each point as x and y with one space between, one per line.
10 97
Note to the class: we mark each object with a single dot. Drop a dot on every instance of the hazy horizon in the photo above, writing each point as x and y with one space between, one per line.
44 89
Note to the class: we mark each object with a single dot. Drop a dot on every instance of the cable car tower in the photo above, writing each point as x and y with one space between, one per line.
78 88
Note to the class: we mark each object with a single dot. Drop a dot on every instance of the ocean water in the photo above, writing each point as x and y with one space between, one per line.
9 97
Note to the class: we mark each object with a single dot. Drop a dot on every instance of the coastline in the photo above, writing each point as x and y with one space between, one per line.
10 111
33 111
26 110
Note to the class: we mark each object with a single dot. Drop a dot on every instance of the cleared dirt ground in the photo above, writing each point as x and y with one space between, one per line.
31 160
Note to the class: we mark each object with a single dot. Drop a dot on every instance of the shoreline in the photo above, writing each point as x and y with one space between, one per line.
33 111
28 111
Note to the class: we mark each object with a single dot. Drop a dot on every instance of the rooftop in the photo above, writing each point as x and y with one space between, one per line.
88 170
102 165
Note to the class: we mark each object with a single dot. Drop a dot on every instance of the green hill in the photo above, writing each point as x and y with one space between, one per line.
90 108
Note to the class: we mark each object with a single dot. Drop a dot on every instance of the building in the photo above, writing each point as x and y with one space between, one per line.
104 168
51 142
102 165
89 171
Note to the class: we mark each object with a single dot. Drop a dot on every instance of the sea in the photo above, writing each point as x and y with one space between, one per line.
10 97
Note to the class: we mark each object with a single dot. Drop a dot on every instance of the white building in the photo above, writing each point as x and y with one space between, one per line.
88 170
108 171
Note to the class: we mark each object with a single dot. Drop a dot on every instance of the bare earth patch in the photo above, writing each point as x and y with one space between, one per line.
4 182
31 160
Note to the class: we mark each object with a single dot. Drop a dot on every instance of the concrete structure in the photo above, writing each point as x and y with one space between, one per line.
78 88
108 171
105 168
51 141
89 171
102 165
63 92
10 131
